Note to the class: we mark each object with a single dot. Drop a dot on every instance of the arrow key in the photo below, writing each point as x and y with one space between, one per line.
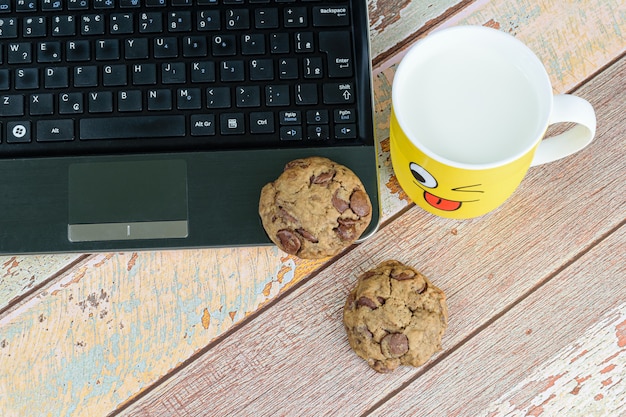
345 131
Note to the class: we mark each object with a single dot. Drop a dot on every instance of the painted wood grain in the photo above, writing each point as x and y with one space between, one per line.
560 352
103 331
484 265
391 22
141 337
573 40
21 274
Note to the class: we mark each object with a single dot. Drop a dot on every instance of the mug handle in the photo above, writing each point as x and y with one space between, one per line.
567 108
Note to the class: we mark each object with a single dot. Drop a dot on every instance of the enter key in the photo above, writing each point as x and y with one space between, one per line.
338 49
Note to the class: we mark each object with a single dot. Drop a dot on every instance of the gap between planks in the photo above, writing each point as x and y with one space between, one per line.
305 280
24 298
449 351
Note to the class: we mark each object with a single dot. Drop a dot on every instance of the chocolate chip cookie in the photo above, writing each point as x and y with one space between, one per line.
315 208
395 316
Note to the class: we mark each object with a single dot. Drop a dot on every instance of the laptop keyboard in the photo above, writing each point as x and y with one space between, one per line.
97 76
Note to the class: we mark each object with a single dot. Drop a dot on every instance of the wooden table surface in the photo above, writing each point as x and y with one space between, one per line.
536 289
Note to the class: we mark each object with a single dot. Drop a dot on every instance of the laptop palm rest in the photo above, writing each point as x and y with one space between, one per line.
128 200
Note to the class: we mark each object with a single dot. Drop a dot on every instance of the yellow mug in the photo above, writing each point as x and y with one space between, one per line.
470 106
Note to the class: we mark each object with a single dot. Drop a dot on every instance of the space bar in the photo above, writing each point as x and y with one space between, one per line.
132 127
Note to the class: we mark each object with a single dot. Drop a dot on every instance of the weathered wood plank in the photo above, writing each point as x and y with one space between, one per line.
560 352
21 274
120 321
573 40
484 265
393 21
132 346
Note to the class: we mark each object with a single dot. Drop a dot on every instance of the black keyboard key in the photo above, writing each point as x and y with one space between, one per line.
86 76
92 24
277 95
331 16
18 132
52 5
63 26
306 94
129 101
266 18
114 75
48 52
136 48
279 43
71 103
166 47
232 124
41 104
8 27
56 77
232 71
160 99
248 96
150 22
144 74
261 69
121 23
203 72
188 99
261 122
173 73
132 127
208 20
100 102
338 93
55 130
203 125
237 19
34 27
224 45
295 17
195 46
26 79
337 46
288 69
179 21
78 51
345 131
12 105
107 50
19 53
290 117
291 133
218 97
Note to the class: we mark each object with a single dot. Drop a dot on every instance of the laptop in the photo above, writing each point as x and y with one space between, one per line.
153 124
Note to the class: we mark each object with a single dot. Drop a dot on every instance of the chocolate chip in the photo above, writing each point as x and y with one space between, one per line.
394 345
423 289
364 301
296 163
323 178
284 214
307 235
346 229
359 203
288 241
340 204
364 331
367 274
402 274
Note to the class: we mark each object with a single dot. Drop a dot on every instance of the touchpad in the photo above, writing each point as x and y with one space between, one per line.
127 200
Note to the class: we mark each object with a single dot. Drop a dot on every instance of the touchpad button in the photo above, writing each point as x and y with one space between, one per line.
128 200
